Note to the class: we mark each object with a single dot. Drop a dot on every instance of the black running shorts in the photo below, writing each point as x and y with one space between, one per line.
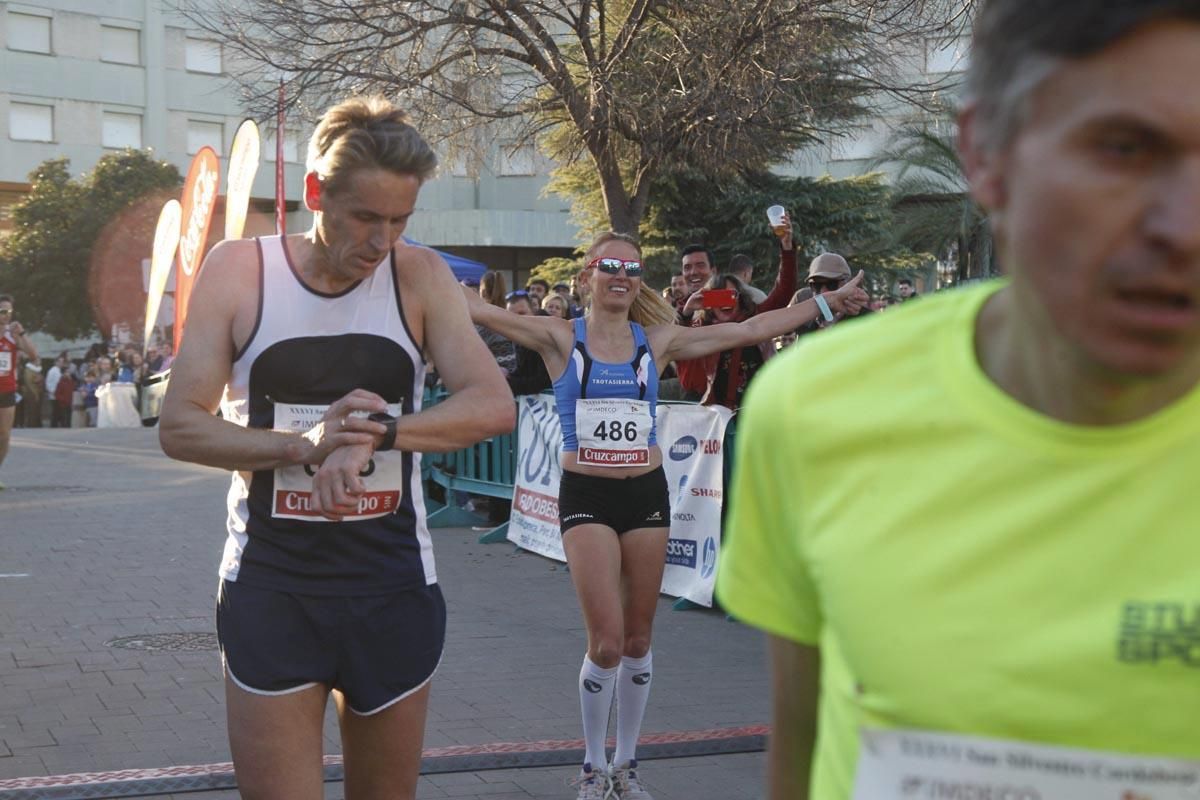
8 399
376 649
622 504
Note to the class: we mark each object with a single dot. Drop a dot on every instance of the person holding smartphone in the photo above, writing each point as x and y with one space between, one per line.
614 503
722 378
13 341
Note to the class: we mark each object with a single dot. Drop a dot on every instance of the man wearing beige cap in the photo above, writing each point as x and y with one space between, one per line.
826 273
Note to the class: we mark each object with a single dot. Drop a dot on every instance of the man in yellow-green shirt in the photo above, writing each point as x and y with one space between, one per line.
971 527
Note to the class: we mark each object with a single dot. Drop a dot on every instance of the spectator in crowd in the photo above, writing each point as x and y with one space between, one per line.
697 376
679 292
529 376
905 290
493 290
614 503
538 289
104 370
742 267
556 306
63 393
132 368
828 272
697 271
91 405
13 344
53 376
167 354
970 528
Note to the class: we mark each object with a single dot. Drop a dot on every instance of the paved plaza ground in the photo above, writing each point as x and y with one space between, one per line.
104 538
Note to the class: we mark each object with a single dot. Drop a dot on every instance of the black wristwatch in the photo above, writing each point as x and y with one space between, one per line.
389 435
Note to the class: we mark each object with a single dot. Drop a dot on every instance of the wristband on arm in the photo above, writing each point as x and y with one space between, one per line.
823 305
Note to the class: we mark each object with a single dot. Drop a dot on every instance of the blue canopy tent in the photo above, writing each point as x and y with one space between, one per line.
464 269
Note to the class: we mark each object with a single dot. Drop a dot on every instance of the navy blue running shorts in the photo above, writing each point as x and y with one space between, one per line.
622 504
376 650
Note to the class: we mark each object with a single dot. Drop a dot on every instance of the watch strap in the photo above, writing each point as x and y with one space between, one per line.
389 433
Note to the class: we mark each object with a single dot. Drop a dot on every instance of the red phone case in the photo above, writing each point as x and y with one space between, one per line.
719 298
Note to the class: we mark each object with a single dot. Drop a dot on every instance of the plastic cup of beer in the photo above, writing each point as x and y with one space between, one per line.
775 217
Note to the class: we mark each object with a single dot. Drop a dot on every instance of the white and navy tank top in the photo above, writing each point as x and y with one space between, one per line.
586 378
308 349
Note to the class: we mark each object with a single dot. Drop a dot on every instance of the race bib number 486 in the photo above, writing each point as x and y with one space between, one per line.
383 476
613 433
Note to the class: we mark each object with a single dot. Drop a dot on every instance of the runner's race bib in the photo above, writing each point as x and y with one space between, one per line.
613 433
383 477
916 765
5 362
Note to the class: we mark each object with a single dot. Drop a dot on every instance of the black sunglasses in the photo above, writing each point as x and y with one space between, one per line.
824 284
611 266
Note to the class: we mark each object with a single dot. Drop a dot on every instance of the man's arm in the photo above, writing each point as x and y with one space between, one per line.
188 430
795 686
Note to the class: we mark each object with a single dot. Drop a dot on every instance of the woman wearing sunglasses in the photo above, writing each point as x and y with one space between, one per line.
614 504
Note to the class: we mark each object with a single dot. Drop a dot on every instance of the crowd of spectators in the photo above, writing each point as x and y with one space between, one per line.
720 379
61 392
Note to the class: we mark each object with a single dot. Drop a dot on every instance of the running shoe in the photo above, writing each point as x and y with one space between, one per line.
626 783
593 784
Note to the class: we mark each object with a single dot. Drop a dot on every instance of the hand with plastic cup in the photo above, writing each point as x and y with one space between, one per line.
781 225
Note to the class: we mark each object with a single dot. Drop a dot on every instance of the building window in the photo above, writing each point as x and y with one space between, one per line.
28 32
120 45
31 122
515 159
121 130
203 55
201 133
291 147
944 56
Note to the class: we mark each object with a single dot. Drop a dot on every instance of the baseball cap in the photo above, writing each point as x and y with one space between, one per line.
829 265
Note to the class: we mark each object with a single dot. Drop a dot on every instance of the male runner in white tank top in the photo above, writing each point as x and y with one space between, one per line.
328 582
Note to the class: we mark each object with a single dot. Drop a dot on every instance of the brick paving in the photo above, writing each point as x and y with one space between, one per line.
103 537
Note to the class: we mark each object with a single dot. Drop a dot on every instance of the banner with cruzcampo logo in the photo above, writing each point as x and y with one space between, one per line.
692 441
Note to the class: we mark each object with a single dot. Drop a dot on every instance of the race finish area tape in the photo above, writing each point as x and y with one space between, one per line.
436 760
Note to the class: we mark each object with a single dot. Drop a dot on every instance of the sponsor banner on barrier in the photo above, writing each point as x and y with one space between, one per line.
691 439
533 523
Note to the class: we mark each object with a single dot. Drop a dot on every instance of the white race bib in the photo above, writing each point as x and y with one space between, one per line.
6 364
383 478
613 433
917 765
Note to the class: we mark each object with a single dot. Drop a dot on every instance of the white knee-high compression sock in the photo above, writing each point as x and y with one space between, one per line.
633 691
596 686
